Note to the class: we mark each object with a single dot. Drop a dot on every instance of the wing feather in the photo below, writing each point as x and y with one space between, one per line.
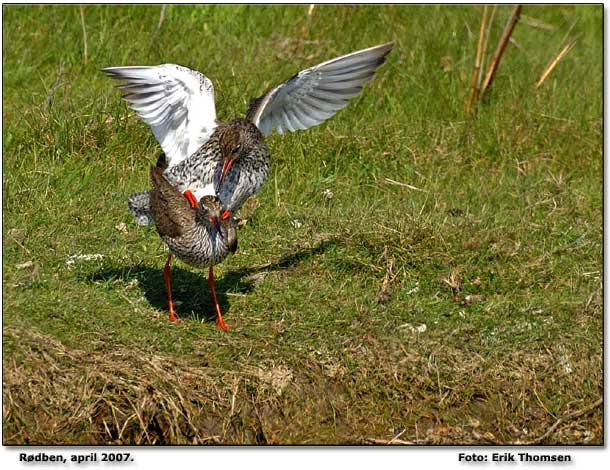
175 101
172 212
317 93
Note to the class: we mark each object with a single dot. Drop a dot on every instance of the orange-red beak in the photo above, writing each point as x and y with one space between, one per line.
226 166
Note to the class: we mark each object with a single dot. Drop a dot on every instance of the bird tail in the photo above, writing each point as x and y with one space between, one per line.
139 205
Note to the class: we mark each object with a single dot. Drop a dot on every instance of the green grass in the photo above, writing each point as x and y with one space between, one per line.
498 252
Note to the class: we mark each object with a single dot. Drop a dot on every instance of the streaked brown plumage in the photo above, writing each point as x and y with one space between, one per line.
200 236
178 104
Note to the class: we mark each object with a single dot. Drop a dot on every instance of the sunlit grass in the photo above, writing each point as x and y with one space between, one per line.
445 270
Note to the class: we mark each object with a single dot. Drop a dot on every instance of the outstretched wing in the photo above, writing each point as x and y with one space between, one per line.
175 101
317 93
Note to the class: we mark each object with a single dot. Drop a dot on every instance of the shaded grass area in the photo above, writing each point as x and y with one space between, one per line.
407 270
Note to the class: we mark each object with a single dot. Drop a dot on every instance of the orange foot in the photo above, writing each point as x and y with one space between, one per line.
174 318
223 326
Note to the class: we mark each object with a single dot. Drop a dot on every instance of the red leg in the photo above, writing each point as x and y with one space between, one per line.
219 321
168 286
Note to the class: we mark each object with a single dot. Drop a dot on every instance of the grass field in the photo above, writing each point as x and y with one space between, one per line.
409 273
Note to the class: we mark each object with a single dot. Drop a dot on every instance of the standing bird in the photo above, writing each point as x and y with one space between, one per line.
178 104
200 235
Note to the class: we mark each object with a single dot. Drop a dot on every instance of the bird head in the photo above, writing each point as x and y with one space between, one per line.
237 139
211 212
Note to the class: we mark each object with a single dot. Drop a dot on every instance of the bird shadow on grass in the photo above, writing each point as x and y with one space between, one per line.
190 290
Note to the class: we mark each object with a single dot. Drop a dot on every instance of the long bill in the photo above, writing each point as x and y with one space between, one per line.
226 166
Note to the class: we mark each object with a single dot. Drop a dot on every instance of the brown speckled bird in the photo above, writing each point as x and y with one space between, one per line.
178 104
200 235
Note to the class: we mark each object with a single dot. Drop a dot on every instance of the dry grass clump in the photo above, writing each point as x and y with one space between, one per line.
53 395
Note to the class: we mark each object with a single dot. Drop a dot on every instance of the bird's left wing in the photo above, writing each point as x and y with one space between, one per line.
317 93
175 101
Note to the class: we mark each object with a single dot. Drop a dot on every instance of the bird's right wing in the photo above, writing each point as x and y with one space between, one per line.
315 94
175 101
171 210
